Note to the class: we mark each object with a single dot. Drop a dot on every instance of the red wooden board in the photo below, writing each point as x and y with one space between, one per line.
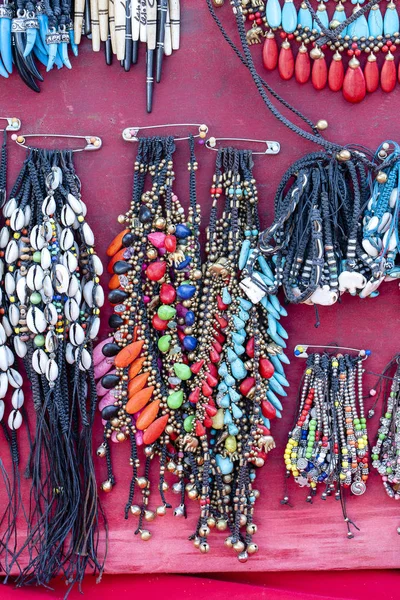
205 82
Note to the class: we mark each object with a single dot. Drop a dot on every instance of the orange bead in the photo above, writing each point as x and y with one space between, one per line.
138 383
148 415
116 244
128 354
154 431
118 256
114 282
135 367
139 400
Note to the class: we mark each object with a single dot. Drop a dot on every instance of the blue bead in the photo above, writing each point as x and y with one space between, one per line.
244 254
281 331
324 19
229 380
276 386
239 349
238 323
238 369
233 430
277 364
231 355
224 464
269 308
186 291
226 297
237 413
223 369
281 378
234 395
189 343
266 422
245 304
237 338
224 402
276 403
184 263
222 387
227 417
243 315
273 13
359 28
181 231
390 21
289 16
305 18
272 324
340 16
190 317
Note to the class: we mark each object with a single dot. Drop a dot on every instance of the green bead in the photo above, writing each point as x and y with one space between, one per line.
166 312
164 343
389 470
363 420
313 422
35 298
188 423
37 257
38 340
382 436
175 400
308 454
358 427
388 415
182 371
356 421
375 456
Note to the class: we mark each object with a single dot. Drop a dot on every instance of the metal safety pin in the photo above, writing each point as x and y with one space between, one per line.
93 142
300 350
271 147
130 134
14 124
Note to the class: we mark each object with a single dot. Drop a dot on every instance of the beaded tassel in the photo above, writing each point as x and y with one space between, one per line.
52 304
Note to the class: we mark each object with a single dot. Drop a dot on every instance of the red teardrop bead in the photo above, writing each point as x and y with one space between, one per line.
206 389
170 243
336 74
196 367
371 74
158 323
270 52
211 380
246 385
286 61
213 370
354 88
220 304
214 356
210 410
264 429
156 270
388 74
217 346
268 410
167 293
200 430
266 368
319 75
219 337
250 348
207 422
195 395
221 321
302 68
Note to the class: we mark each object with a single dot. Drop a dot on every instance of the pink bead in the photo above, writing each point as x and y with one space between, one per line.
98 355
157 239
103 367
114 437
372 392
384 478
139 438
174 198
102 391
146 299
106 400
397 497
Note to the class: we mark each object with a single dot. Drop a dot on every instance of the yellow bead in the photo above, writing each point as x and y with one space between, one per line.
345 451
16 330
313 484
342 476
81 218
295 444
96 280
308 371
293 455
17 235
345 464
12 298
295 473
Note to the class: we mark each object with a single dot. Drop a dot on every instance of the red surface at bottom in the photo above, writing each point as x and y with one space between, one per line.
311 585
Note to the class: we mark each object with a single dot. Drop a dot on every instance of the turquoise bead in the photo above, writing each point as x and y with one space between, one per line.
272 324
266 421
237 323
244 254
239 349
281 378
222 387
225 402
223 369
276 386
390 21
324 19
340 16
283 358
237 413
359 28
229 380
231 355
224 464
305 18
242 332
238 338
265 268
244 315
278 414
375 22
267 280
273 13
238 369
269 308
227 417
281 331
276 403
234 395
226 297
277 364
233 430
245 304
276 338
289 16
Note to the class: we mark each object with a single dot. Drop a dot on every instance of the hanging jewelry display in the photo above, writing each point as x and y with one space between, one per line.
33 28
328 445
359 38
122 26
51 303
144 365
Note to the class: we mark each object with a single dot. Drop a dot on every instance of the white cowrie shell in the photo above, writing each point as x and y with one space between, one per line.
70 262
46 231
51 370
71 310
372 224
3 335
54 178
13 313
61 279
3 384
97 265
371 286
73 286
7 326
21 289
76 224
49 206
66 239
39 361
392 241
36 238
369 248
11 252
94 328
385 222
35 320
75 204
3 359
76 334
4 237
51 342
1 268
34 278
9 284
99 296
2 407
45 259
14 378
78 297
20 347
10 356
84 208
9 208
88 293
17 220
88 235
27 215
86 360
67 216
393 198
70 354
14 420
17 399
47 287
50 313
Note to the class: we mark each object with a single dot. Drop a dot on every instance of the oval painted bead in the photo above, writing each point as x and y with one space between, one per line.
109 381
117 296
109 412
115 321
111 349
186 291
121 267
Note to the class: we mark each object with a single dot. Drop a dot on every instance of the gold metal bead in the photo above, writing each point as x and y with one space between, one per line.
142 482
251 529
222 525
228 542
211 522
149 515
344 155
192 494
238 546
121 436
204 547
145 535
115 423
121 219
381 177
322 124
160 223
161 510
243 556
135 510
252 548
196 542
243 520
106 486
204 531
101 451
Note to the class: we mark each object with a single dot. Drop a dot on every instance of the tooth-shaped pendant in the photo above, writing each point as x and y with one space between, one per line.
35 320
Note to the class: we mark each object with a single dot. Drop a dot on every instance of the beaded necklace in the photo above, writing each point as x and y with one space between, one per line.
51 301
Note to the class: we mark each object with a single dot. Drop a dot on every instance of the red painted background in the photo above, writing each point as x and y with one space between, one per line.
205 82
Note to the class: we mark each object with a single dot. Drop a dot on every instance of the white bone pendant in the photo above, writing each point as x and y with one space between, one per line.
324 296
351 281
254 292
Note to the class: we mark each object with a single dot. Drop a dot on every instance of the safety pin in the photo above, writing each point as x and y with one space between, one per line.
130 134
93 142
14 124
300 350
271 147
